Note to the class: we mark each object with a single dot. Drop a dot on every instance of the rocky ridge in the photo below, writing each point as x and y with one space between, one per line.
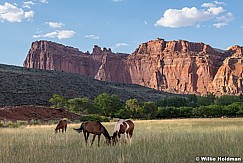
174 66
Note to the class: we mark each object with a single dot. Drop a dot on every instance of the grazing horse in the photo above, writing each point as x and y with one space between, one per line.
125 127
61 125
95 128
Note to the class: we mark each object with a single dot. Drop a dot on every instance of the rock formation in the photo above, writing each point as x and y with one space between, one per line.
229 77
101 64
173 66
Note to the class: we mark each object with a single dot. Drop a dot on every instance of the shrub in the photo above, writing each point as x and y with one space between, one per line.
233 109
226 100
35 122
167 112
123 114
185 111
1 124
21 123
10 124
175 101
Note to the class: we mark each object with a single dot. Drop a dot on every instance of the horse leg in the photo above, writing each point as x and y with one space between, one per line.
131 133
93 139
119 138
65 128
98 140
129 137
62 129
125 134
85 138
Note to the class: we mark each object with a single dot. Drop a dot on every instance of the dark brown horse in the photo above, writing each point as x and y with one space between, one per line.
61 125
125 127
95 128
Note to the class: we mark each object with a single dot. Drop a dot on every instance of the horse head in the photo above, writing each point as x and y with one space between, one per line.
114 138
56 131
108 140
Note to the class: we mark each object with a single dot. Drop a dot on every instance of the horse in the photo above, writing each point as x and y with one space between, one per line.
125 127
95 128
61 125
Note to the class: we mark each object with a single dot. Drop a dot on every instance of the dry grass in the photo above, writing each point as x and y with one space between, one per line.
178 140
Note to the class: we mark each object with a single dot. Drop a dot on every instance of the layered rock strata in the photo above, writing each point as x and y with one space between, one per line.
173 66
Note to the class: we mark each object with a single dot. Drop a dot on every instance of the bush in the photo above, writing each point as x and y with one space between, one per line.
94 117
10 124
185 111
21 123
167 112
233 109
1 124
175 101
123 114
226 100
35 122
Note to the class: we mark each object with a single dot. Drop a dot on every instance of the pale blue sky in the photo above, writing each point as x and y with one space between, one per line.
117 24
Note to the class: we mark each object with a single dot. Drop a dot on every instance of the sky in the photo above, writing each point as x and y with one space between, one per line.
117 24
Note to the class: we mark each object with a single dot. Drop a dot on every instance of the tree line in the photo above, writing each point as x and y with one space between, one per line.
169 107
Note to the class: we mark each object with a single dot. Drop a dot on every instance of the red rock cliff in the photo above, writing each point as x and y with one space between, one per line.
174 66
229 77
101 64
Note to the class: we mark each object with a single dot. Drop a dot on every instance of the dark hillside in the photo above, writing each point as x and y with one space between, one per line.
23 86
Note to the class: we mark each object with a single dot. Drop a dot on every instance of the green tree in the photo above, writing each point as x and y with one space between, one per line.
150 109
168 112
175 101
233 109
108 105
206 100
58 101
82 105
208 111
192 100
226 100
185 111
133 108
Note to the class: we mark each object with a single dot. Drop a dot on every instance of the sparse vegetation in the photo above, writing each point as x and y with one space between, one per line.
23 86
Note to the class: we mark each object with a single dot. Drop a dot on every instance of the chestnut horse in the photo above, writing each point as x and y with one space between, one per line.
95 128
61 125
125 127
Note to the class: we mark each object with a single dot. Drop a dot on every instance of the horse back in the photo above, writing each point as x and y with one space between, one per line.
94 127
61 124
131 125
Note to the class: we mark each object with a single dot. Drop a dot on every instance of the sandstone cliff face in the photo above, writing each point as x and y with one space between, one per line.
101 64
229 78
173 66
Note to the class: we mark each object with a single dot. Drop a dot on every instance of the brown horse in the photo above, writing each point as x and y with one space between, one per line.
95 128
125 127
61 125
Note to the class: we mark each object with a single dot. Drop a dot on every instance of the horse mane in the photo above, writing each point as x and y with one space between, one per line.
106 133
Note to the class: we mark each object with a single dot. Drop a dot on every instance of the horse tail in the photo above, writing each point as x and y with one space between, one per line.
79 129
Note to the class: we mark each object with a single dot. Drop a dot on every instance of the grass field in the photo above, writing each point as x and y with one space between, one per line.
163 141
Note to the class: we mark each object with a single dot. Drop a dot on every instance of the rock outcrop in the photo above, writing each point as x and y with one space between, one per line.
173 66
229 77
101 64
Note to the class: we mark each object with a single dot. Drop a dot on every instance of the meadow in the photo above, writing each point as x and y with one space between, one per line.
177 140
